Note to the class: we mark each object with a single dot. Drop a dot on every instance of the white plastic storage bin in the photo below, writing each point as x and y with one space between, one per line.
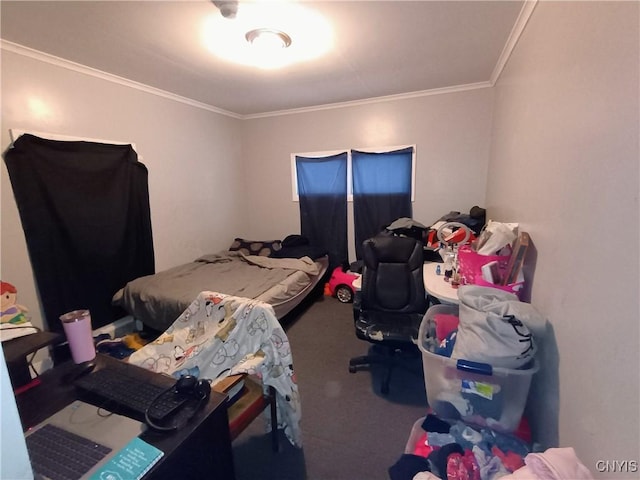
475 392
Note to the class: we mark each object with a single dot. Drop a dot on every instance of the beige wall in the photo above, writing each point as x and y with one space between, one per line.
556 150
191 153
451 133
564 164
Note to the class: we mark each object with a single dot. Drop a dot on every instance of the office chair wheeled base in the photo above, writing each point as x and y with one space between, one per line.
363 362
389 359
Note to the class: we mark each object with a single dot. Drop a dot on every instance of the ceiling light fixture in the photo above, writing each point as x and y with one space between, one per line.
257 38
228 9
268 38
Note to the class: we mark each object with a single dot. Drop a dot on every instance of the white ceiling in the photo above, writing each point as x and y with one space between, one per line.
384 48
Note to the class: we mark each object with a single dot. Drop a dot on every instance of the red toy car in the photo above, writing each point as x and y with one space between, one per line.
340 284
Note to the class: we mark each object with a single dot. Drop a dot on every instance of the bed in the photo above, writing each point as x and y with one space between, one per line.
278 273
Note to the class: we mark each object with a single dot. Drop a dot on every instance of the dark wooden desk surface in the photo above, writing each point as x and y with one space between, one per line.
200 448
18 348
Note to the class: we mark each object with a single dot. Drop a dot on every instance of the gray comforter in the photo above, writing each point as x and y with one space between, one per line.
157 300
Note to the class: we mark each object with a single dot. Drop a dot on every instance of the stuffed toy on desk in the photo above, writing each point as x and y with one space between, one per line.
10 311
13 321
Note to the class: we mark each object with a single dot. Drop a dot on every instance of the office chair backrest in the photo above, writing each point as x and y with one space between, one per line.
392 275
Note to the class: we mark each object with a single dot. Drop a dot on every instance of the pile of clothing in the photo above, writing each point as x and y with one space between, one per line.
456 451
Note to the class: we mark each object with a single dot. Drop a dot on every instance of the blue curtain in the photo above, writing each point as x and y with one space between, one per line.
322 191
381 191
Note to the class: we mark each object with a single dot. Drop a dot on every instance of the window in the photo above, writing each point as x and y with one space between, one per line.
322 187
329 153
379 183
381 191
389 172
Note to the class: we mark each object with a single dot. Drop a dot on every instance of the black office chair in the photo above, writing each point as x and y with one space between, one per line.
391 302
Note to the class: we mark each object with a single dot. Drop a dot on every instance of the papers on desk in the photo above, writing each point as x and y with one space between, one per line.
9 331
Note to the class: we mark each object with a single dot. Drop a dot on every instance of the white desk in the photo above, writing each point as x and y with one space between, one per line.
433 284
436 286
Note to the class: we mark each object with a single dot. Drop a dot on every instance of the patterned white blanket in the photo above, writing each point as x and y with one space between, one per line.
220 335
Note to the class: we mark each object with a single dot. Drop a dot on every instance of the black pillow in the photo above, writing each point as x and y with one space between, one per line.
295 241
263 248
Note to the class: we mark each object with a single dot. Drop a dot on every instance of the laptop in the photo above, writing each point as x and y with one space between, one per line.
77 441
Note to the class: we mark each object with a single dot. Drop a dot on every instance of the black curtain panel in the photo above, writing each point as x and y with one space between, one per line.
381 191
322 192
84 208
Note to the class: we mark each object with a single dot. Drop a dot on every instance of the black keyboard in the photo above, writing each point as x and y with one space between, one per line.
109 388
58 454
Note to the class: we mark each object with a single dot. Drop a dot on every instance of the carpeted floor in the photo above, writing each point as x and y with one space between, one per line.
350 430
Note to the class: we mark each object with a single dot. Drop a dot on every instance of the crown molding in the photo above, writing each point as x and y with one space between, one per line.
79 68
514 36
388 98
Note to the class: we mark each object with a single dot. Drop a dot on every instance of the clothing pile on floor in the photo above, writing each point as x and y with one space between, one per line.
457 451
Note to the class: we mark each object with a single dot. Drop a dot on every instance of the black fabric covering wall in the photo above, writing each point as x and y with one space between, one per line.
84 208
